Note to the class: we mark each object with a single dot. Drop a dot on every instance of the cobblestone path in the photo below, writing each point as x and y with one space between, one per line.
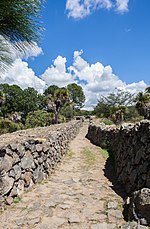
76 196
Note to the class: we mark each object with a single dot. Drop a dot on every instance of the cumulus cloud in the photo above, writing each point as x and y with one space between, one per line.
81 8
99 80
122 5
20 74
57 73
95 79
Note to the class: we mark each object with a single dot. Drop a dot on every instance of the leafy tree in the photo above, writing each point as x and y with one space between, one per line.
51 90
55 102
31 101
13 99
119 98
114 105
19 26
2 98
143 103
76 95
67 111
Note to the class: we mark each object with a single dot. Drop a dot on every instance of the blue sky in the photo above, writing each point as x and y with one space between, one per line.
121 40
114 36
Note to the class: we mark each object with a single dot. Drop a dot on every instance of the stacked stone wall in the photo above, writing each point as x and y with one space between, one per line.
30 156
130 146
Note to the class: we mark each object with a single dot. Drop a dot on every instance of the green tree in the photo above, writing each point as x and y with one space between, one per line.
76 95
51 90
55 102
2 98
114 105
13 99
31 101
143 103
19 26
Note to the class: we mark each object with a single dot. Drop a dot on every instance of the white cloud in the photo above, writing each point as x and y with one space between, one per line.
20 74
81 8
57 74
95 79
100 80
122 5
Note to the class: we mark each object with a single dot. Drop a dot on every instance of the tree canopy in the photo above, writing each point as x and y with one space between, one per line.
143 103
76 95
55 99
114 106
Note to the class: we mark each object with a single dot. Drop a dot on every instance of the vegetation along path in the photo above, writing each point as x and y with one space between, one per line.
78 195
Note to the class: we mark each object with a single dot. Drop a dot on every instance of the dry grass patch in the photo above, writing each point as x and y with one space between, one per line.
89 157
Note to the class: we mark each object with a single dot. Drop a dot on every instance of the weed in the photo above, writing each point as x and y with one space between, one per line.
17 200
104 153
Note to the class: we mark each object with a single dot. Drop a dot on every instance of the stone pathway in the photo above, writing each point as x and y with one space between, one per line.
76 196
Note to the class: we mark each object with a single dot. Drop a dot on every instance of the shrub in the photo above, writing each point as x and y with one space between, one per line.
39 118
7 126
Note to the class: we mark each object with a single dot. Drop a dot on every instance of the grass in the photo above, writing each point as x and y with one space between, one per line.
89 157
69 153
16 199
104 153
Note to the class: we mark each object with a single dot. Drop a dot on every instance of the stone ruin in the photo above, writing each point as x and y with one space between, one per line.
30 156
130 147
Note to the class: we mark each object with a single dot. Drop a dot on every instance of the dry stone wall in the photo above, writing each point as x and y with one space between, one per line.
130 145
29 156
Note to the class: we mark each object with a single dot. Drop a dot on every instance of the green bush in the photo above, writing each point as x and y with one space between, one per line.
39 118
106 121
67 112
7 126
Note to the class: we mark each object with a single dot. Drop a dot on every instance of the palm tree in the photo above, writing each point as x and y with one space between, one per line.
147 90
56 101
143 103
19 27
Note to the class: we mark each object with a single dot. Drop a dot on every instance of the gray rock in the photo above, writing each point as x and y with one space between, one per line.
13 192
9 200
139 207
46 147
112 205
20 188
114 214
6 184
38 174
39 147
16 158
27 161
6 163
27 177
11 173
20 150
17 170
